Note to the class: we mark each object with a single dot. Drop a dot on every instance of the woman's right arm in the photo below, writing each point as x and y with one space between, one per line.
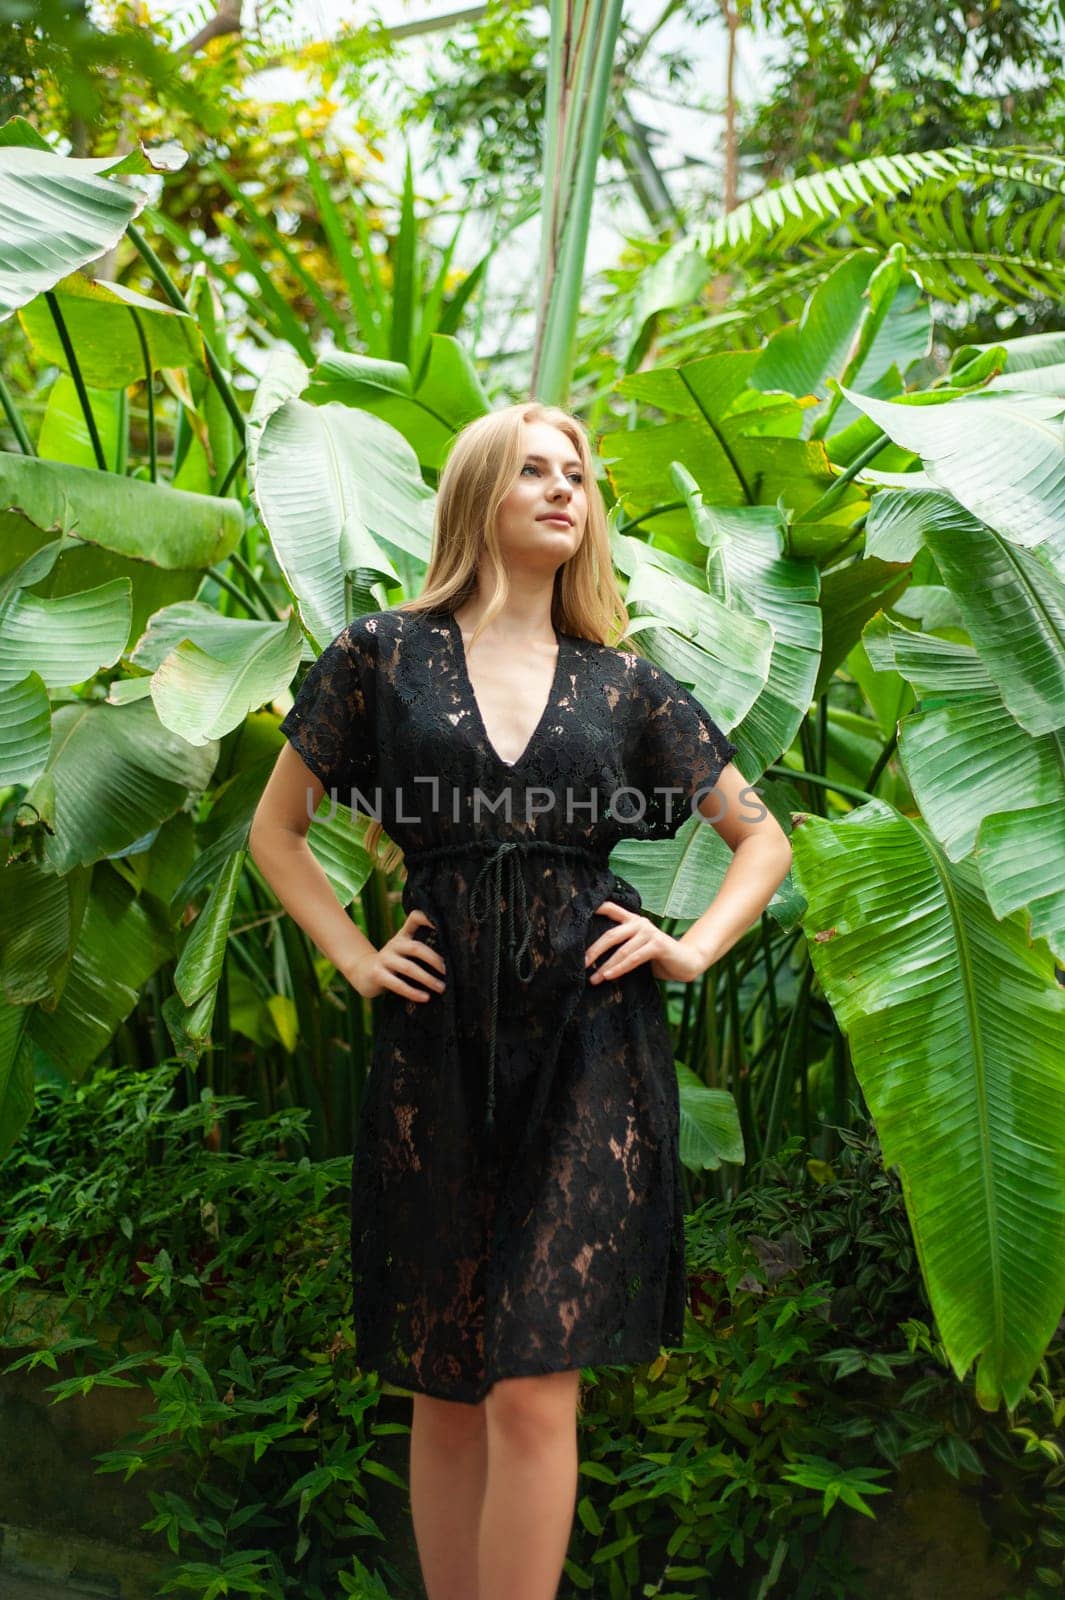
278 845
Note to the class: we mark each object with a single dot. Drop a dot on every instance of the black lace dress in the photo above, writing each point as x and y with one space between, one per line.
516 1202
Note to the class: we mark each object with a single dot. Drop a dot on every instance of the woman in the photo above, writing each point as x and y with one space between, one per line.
516 1200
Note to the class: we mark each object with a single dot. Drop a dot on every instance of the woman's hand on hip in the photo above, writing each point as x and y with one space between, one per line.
636 939
400 965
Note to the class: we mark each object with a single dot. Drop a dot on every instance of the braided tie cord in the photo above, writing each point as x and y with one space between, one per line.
500 883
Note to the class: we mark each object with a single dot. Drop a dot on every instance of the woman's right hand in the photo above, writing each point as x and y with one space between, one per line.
399 961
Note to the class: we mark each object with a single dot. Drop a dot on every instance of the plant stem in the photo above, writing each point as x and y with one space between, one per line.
149 392
18 427
783 771
234 467
238 594
265 603
177 299
882 760
791 1054
79 381
832 494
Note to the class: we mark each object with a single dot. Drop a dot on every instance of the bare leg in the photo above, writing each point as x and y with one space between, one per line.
532 1486
447 1477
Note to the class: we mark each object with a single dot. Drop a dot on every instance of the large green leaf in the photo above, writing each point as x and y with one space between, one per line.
1034 380
25 731
1026 354
715 387
64 434
740 446
335 838
284 377
225 830
710 1129
326 479
161 539
159 870
102 320
210 671
124 939
65 640
957 1034
1012 605
859 324
200 965
1000 454
189 1027
679 877
747 560
723 654
672 281
971 765
114 774
851 595
40 921
56 214
16 1074
428 414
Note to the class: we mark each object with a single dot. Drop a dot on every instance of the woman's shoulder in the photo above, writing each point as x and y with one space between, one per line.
613 657
388 625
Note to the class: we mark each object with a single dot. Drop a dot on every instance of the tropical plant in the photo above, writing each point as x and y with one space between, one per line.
392 303
980 227
934 938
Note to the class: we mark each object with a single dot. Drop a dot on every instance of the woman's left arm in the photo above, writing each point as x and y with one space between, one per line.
761 858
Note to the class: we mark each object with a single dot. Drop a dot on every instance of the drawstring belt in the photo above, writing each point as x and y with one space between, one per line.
501 876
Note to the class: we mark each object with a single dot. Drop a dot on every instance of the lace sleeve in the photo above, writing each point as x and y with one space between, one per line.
331 724
677 751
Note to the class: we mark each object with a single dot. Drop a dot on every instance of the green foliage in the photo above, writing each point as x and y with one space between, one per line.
849 78
217 1282
486 85
745 1463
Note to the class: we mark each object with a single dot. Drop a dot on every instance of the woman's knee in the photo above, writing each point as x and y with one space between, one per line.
534 1409
453 1421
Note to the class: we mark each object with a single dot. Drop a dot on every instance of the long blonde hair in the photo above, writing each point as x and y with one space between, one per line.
483 461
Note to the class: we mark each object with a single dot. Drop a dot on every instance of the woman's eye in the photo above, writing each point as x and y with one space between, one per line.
530 466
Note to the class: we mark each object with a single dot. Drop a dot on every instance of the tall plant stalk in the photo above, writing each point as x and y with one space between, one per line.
584 35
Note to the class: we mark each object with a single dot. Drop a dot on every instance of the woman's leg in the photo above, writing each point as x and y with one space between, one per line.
532 1486
447 1479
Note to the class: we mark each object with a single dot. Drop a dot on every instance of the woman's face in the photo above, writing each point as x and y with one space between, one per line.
550 483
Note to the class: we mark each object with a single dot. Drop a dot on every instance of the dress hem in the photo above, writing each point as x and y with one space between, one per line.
527 1369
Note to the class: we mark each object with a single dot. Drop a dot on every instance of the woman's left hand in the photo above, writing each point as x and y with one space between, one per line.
636 939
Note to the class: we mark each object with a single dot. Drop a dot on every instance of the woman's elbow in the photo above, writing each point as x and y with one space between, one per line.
266 828
255 836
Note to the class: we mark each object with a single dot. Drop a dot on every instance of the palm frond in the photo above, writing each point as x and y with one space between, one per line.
992 251
795 211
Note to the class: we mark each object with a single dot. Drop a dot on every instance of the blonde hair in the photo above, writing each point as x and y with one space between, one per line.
483 462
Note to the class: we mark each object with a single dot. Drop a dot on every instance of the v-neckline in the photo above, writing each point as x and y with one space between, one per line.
460 652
